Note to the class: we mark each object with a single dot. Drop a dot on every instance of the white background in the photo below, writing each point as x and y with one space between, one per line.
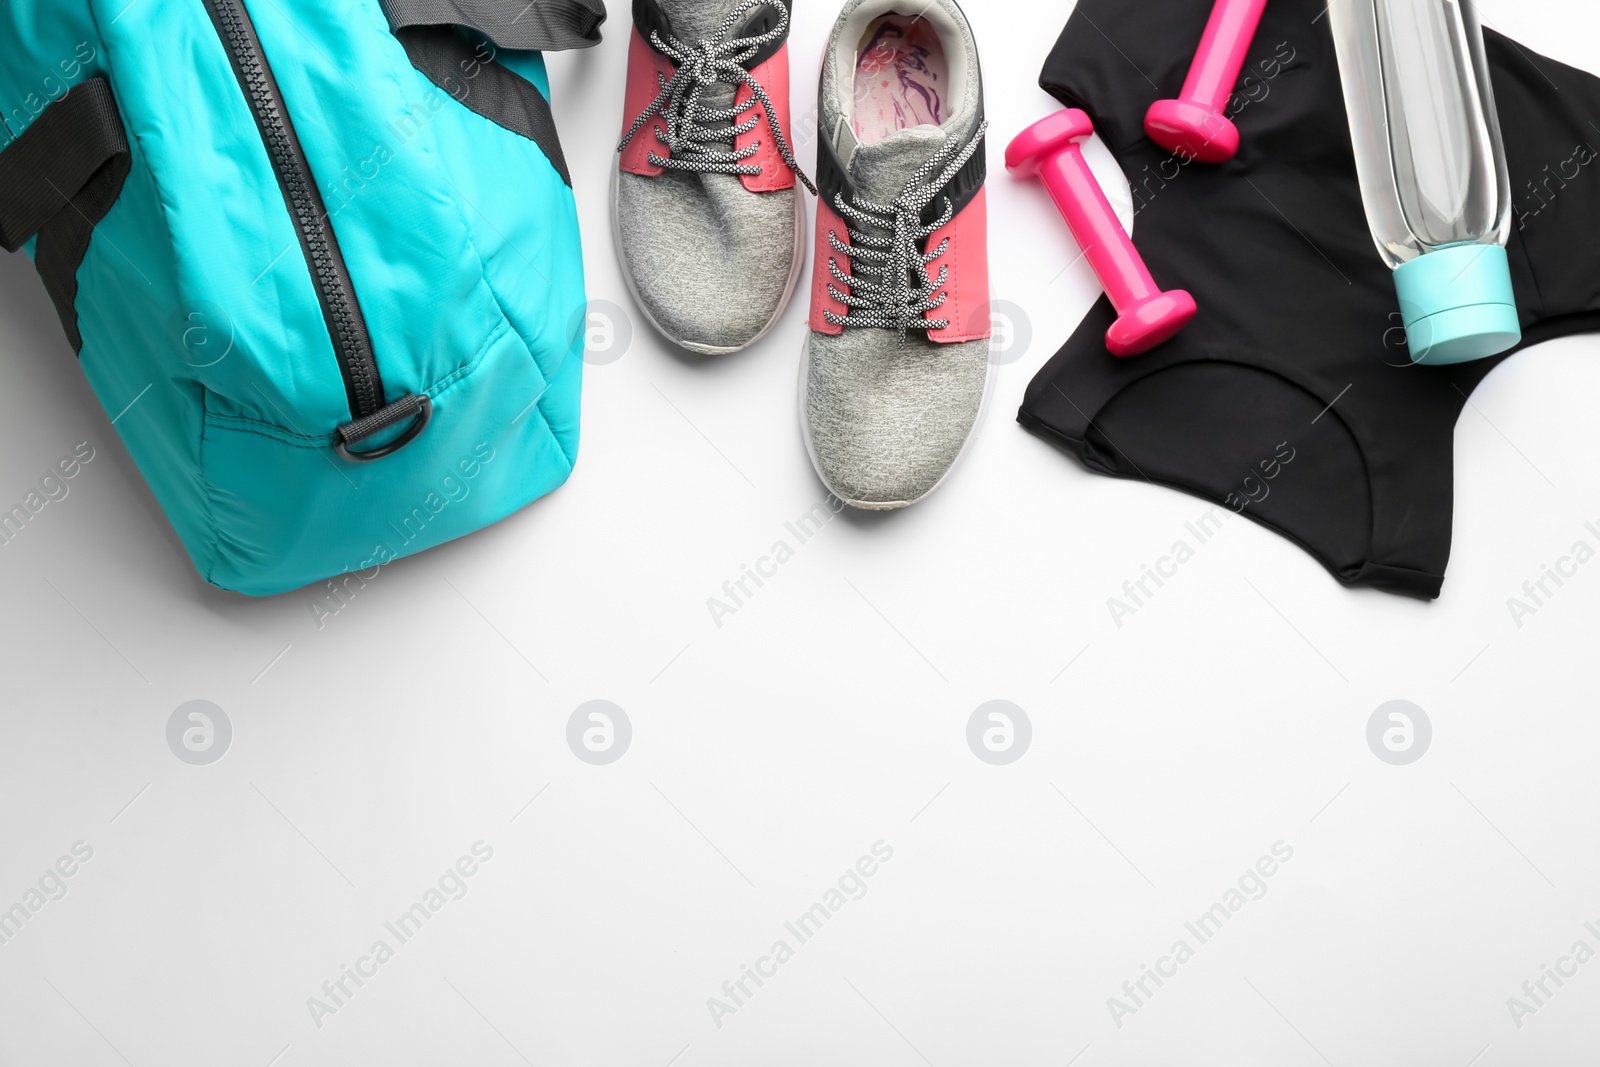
828 714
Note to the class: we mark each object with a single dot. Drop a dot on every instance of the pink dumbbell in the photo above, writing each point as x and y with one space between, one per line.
1194 124
1146 315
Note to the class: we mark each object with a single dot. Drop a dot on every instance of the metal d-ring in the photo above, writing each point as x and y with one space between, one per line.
417 408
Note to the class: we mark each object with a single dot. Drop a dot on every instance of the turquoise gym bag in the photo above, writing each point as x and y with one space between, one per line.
319 260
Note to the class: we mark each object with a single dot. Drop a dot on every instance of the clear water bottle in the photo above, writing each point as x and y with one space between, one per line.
1432 168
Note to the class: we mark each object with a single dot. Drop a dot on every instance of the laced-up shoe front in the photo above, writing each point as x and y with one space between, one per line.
896 364
709 222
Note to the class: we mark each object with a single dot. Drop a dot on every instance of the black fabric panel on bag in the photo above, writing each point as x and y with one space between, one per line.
65 241
530 25
57 181
499 94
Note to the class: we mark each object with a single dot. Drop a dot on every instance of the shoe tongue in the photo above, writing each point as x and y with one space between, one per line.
695 19
719 97
880 171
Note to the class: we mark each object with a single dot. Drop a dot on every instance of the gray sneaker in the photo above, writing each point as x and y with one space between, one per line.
896 365
709 226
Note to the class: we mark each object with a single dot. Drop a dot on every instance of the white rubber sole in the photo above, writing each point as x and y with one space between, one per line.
888 505
796 269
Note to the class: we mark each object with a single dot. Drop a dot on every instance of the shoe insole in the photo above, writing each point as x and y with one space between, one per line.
902 78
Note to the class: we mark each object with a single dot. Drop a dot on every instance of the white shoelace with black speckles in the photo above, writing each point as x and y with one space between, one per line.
701 138
889 287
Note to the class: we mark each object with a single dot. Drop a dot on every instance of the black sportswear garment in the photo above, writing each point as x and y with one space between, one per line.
1298 350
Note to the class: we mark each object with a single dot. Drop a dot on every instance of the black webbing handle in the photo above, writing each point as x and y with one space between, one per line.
55 158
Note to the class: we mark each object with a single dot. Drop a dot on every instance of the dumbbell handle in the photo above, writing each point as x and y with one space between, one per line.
1196 124
1094 223
1146 316
1223 50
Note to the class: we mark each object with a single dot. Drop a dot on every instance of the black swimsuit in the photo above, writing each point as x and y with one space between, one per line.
1298 349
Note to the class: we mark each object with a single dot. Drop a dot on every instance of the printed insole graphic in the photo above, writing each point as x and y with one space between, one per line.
902 77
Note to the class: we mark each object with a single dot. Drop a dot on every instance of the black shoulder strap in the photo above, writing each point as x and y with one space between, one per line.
58 179
534 25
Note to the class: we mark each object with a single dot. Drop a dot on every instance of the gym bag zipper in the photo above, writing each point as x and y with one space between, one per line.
347 327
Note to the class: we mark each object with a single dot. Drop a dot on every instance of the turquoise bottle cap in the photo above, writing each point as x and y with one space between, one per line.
1458 305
